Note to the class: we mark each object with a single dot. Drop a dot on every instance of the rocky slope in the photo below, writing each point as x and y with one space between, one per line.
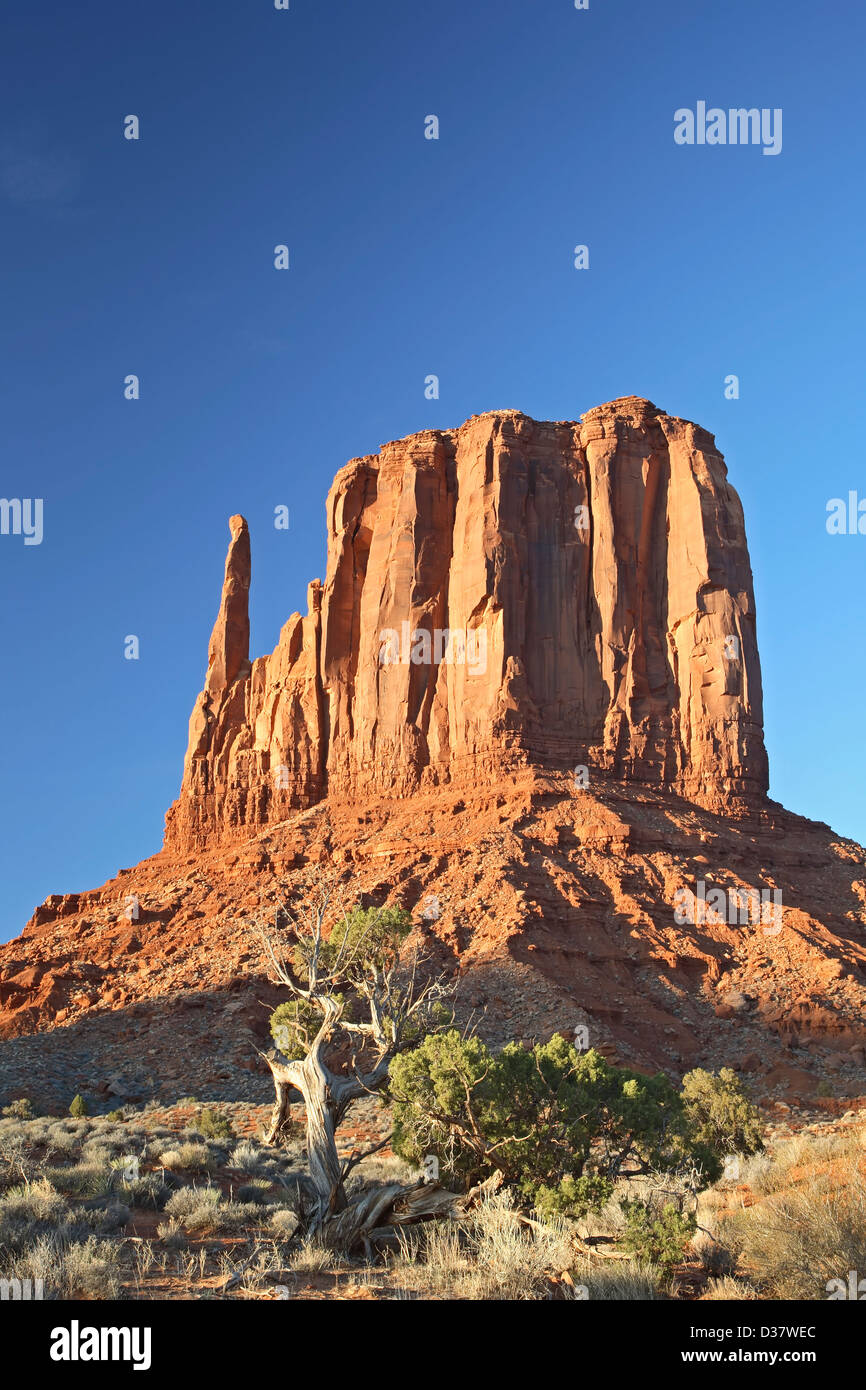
598 577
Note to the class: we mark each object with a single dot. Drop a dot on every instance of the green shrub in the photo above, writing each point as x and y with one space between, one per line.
657 1236
721 1114
212 1125
78 1108
559 1125
293 1026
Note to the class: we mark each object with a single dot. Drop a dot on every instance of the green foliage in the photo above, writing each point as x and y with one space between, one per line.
429 1087
116 1115
212 1125
560 1125
78 1108
573 1195
362 944
722 1116
365 939
657 1236
20 1109
293 1025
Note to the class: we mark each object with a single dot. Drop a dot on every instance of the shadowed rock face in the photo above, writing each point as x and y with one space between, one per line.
595 582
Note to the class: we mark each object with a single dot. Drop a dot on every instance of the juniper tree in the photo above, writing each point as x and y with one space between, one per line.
358 997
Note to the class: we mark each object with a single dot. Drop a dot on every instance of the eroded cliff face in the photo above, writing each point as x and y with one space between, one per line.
512 592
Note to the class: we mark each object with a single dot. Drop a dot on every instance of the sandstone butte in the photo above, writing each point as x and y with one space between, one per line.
598 578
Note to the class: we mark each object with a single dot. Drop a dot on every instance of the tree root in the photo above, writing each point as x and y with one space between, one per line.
376 1217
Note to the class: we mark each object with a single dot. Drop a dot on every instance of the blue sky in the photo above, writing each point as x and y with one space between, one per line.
408 257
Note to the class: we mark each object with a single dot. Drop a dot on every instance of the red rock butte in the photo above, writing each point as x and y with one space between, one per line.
597 575
597 570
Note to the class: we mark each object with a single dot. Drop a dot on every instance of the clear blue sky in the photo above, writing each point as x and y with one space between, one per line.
408 257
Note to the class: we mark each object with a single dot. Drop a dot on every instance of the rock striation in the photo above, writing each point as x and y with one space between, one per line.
509 593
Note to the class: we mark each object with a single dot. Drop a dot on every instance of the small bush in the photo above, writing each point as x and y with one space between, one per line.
70 1268
190 1157
189 1199
657 1236
311 1258
257 1191
112 1217
721 1114
212 1125
227 1216
250 1158
78 1107
172 1234
62 1141
30 1211
147 1191
284 1223
81 1179
20 1109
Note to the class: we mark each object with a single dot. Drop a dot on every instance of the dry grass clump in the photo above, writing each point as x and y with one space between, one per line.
188 1157
192 1203
311 1258
69 1268
172 1234
494 1254
283 1222
811 1227
30 1211
624 1281
729 1289
81 1179
257 1191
